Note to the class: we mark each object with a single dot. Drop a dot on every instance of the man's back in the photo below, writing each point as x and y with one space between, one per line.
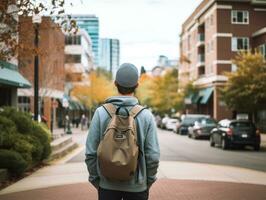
147 142
149 153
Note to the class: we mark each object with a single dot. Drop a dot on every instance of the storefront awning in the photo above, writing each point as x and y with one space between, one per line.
205 95
201 97
10 76
44 92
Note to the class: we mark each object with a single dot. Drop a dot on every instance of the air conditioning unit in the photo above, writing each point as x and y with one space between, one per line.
260 2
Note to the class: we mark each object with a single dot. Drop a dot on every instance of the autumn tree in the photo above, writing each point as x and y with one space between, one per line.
245 90
144 89
164 95
11 10
97 92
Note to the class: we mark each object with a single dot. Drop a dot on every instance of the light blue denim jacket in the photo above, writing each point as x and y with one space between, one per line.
148 145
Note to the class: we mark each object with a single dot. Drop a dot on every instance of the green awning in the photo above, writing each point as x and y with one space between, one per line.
73 105
10 76
202 96
205 95
82 107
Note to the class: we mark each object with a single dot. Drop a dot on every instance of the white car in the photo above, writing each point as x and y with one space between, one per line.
171 124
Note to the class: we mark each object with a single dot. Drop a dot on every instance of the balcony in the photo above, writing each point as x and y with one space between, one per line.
201 60
201 40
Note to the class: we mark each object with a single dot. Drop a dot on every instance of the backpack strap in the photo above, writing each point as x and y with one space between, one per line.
136 110
110 109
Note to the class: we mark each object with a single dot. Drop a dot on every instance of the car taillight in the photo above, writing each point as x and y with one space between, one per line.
229 132
257 132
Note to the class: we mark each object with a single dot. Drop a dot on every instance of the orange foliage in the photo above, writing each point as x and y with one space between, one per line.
97 92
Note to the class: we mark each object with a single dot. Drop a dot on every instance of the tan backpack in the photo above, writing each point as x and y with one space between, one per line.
118 150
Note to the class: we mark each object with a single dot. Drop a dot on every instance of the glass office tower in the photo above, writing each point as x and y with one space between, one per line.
109 54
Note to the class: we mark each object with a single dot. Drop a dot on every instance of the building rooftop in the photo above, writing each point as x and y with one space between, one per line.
205 4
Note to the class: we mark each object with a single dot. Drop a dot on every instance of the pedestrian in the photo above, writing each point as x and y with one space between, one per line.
77 122
122 150
83 122
67 123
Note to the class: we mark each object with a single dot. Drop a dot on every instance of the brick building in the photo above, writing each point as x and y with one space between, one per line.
210 39
51 67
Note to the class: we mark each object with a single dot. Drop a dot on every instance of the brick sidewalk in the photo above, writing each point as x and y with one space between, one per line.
163 189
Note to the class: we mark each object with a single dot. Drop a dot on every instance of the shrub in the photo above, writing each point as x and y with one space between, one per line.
44 136
7 133
20 134
21 119
12 161
23 147
37 149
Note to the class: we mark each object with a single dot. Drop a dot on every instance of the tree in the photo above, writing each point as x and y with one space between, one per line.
245 90
11 10
161 92
97 92
144 89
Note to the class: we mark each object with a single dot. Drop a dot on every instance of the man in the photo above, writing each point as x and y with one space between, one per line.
138 187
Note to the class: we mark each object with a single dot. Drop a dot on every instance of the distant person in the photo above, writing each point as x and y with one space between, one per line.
83 122
77 122
67 123
123 139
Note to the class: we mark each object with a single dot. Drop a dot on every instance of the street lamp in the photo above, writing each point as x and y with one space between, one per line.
36 20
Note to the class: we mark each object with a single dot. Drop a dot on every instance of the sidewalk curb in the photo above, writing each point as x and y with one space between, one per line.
69 156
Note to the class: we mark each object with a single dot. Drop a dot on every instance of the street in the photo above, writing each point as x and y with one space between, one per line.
180 148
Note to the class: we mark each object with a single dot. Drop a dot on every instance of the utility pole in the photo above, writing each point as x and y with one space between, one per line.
36 19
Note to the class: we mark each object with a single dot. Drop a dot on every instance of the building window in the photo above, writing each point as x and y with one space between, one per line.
72 39
69 58
262 50
233 67
240 43
24 103
239 17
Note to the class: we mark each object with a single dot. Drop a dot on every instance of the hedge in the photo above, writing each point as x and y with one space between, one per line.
12 161
22 136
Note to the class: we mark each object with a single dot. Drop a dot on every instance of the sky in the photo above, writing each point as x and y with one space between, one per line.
145 28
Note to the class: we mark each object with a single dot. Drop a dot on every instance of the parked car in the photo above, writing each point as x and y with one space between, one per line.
235 132
163 122
202 128
188 121
158 120
171 123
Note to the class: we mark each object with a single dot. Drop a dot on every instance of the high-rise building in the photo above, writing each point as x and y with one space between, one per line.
109 54
90 23
211 37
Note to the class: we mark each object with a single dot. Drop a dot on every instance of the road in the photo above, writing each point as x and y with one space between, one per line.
180 148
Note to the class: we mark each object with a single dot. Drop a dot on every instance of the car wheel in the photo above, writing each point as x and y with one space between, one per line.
189 135
212 143
224 144
257 147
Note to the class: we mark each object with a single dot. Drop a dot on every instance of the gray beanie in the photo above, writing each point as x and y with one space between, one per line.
127 75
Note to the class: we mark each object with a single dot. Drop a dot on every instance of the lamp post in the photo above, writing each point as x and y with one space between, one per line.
36 20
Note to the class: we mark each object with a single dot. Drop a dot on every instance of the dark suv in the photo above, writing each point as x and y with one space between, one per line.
235 132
